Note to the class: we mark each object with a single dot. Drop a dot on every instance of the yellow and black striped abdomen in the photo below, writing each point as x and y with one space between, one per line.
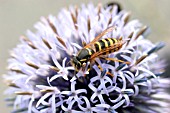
105 43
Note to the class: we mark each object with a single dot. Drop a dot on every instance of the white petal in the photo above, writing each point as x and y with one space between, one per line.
93 97
55 77
53 108
30 104
41 100
136 90
101 99
118 104
117 99
147 71
127 100
76 45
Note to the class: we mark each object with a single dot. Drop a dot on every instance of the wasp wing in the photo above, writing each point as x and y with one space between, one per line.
100 35
113 48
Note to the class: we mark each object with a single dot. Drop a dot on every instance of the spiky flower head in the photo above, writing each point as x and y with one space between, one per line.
41 79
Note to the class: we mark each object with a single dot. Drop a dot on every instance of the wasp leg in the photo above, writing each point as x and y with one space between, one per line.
110 74
98 65
103 70
76 71
88 69
90 66
84 66
115 59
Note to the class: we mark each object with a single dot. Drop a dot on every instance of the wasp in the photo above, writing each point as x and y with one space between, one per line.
97 48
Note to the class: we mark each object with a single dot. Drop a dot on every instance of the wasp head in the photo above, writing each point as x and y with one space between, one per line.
76 63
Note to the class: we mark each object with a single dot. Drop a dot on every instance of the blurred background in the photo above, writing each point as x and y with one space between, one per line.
16 16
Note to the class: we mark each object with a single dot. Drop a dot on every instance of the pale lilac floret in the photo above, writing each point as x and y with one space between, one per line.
44 79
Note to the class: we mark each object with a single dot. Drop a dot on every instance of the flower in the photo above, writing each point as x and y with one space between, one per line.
43 80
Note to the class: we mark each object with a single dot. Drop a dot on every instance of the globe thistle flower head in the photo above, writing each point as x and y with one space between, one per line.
43 79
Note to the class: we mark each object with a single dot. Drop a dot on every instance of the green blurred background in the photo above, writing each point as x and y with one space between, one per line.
16 16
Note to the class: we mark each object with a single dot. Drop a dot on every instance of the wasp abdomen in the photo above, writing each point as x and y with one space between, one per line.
105 43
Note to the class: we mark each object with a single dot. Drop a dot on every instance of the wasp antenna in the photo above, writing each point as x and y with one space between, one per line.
75 71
